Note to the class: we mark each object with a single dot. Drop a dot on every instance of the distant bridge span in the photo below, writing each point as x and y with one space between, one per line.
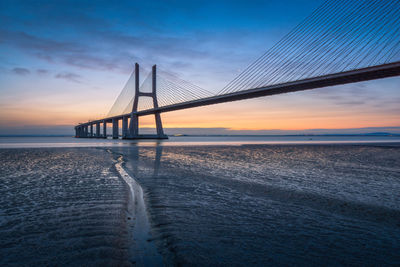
365 74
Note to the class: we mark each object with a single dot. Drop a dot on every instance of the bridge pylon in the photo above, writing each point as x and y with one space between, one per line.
132 132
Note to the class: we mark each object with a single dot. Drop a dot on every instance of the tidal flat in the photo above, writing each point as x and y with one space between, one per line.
242 205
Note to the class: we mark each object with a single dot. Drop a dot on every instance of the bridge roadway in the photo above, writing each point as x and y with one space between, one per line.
364 74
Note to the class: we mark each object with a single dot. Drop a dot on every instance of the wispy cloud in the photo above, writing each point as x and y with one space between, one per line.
42 71
69 76
115 50
350 103
21 71
28 41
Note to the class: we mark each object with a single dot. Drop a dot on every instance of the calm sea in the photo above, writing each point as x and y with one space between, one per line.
27 142
200 201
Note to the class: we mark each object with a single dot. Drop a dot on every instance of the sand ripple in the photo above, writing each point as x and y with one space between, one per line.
62 207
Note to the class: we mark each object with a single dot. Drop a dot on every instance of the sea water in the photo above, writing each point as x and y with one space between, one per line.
313 202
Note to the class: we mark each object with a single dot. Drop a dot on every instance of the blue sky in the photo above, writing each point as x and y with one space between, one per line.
63 62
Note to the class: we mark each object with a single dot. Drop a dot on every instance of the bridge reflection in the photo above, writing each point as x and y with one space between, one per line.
134 159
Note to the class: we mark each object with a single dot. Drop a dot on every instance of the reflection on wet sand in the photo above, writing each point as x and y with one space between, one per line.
279 204
206 205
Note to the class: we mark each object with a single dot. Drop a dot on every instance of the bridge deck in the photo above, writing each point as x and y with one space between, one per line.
365 74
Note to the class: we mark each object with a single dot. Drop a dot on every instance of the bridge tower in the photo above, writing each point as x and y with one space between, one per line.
133 132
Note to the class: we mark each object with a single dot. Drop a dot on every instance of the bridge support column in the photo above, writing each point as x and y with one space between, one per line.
134 126
104 129
85 134
97 129
91 130
134 123
160 130
124 127
115 128
157 115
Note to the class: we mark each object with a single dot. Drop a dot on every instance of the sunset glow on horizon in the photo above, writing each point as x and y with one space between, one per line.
63 64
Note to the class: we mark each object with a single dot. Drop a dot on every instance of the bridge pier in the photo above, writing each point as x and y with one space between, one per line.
97 129
157 115
115 133
133 126
104 129
81 131
160 130
85 134
91 130
124 127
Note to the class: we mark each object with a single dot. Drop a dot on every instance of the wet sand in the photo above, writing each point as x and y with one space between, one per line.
69 206
264 205
143 249
248 205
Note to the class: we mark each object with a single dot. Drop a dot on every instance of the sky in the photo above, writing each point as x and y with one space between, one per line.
65 62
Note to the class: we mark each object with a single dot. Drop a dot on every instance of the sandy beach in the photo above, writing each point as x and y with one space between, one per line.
200 205
71 207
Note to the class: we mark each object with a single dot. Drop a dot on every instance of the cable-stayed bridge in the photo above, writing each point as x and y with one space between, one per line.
341 42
